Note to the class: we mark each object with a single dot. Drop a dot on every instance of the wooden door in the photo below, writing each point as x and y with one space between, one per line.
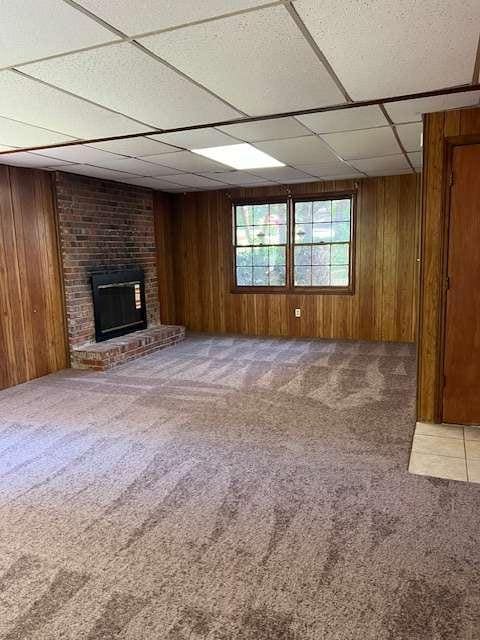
461 393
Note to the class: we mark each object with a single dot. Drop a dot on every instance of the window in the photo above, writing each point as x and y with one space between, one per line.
322 239
298 244
261 245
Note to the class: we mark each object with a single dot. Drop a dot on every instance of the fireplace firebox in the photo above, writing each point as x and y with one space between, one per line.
119 303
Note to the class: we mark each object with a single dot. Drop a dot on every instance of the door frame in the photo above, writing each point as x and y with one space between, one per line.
450 144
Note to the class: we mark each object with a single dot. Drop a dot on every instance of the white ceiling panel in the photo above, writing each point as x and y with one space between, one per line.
304 150
416 159
345 119
144 16
152 183
130 165
412 110
367 143
395 47
275 129
191 180
96 172
24 159
411 135
329 169
123 78
29 101
387 165
135 147
300 180
281 174
349 176
78 153
18 134
258 61
196 139
186 161
32 29
233 177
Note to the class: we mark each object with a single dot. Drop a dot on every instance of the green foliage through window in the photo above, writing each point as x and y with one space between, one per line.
300 243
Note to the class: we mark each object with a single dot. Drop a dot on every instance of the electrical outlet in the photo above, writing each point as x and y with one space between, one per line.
298 313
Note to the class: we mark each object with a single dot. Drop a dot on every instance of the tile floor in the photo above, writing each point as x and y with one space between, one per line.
446 451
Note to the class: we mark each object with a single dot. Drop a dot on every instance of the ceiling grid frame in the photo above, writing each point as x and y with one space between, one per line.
245 119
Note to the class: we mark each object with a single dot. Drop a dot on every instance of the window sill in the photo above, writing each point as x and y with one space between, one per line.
297 291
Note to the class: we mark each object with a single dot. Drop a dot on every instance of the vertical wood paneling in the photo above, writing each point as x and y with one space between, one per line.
381 308
32 320
162 204
440 129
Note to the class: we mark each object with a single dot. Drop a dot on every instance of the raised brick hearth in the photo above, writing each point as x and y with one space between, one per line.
105 355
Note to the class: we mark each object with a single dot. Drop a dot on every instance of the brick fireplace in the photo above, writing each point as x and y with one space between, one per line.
104 227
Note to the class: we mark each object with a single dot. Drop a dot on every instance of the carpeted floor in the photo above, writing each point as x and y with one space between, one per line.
231 488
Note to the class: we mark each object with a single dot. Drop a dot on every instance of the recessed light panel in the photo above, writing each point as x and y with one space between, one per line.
239 156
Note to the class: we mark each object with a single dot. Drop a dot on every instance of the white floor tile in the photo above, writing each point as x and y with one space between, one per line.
440 446
472 448
438 466
473 467
472 433
440 430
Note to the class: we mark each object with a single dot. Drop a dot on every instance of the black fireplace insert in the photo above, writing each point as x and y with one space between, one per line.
119 303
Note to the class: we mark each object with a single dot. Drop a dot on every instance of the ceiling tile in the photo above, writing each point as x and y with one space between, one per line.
281 174
151 15
187 161
345 119
123 78
328 169
130 165
30 29
275 129
258 61
304 150
354 175
24 159
411 135
416 159
387 165
96 172
181 190
151 183
233 177
196 139
395 47
266 183
135 147
367 143
78 153
18 134
300 180
191 180
25 99
412 110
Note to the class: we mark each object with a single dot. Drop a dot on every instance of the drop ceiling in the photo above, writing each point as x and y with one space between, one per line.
83 71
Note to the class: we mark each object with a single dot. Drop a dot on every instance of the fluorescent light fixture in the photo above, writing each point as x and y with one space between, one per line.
239 156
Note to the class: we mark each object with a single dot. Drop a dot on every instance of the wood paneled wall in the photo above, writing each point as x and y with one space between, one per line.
382 308
440 131
32 333
162 207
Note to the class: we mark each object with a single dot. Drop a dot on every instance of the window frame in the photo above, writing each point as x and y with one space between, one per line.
289 287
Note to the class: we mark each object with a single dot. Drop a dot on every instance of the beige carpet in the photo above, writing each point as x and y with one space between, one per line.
231 488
